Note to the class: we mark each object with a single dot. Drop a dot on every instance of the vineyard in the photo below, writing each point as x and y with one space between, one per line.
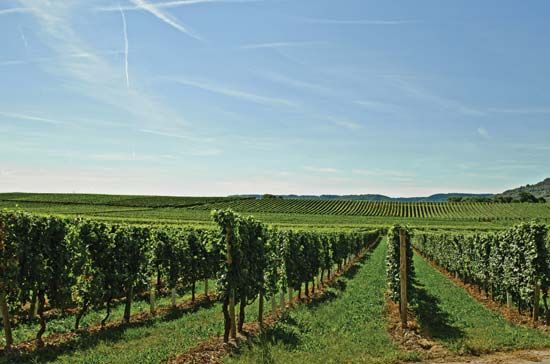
285 213
83 276
427 210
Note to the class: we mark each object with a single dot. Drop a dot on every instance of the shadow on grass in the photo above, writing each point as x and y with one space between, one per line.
434 322
87 340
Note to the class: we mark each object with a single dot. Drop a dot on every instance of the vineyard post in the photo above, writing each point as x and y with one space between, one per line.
5 318
274 303
403 276
261 309
174 297
536 304
233 328
3 301
508 299
153 297
289 296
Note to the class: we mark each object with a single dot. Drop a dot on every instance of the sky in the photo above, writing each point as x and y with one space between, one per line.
219 97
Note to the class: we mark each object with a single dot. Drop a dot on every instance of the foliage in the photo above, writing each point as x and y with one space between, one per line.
510 262
393 260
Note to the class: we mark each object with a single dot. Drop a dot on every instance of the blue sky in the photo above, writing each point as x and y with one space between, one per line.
215 97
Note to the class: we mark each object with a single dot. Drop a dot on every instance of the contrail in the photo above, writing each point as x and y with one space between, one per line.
124 26
24 39
175 4
15 10
152 8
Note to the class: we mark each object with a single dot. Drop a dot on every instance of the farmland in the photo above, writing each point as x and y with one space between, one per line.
116 256
307 213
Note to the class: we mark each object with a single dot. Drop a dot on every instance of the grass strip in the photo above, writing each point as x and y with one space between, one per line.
350 326
449 315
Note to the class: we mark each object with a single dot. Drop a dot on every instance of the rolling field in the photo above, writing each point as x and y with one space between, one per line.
307 213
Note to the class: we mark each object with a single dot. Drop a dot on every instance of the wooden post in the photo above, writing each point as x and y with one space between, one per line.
6 319
536 305
233 328
273 304
261 309
174 297
289 296
153 297
403 276
508 300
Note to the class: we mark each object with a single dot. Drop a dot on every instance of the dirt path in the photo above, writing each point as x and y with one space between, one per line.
516 357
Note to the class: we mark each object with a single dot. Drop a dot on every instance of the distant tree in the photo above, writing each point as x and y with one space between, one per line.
527 197
503 199
455 199
270 196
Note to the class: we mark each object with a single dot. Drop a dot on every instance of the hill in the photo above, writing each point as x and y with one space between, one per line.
541 189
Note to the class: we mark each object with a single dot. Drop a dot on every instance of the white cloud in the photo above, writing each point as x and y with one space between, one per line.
344 123
432 98
321 169
11 115
377 106
359 21
176 4
125 33
164 17
281 45
293 82
15 11
85 71
175 134
521 111
243 95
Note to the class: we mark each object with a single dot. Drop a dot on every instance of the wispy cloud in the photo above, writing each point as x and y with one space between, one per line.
521 111
165 17
86 71
483 132
321 169
293 82
15 11
344 123
440 101
238 94
385 173
125 33
175 134
178 3
282 45
377 106
26 117
359 21
24 39
59 57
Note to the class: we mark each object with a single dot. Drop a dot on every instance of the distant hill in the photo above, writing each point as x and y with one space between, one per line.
541 189
440 197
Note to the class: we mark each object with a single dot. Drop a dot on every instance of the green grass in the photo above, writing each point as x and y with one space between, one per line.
462 324
26 331
348 327
149 341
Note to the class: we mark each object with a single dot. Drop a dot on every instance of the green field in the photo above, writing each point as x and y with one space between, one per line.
307 213
350 324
